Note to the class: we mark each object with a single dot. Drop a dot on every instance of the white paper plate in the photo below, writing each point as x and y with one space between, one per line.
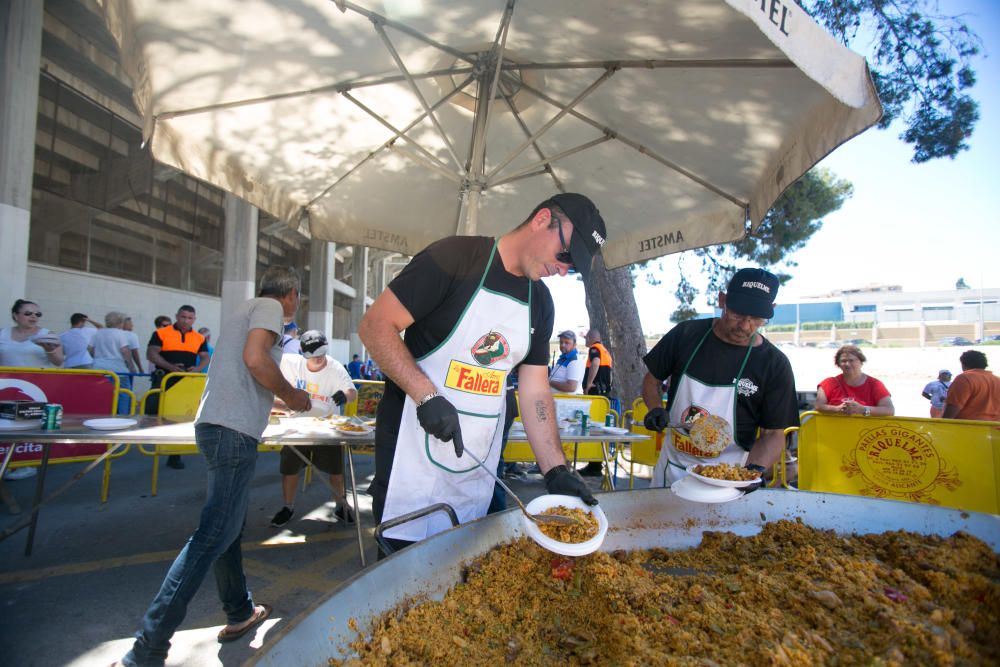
110 423
542 503
730 483
366 431
691 489
47 339
613 430
20 424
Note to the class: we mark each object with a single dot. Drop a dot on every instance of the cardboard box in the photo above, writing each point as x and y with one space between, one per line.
22 409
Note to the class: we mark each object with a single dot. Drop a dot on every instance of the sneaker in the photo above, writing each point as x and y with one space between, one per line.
20 473
283 516
174 461
343 513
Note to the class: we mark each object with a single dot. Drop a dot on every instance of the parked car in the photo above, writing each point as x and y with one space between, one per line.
995 338
855 341
949 341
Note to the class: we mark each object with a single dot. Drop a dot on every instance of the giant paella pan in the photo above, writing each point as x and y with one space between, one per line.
910 584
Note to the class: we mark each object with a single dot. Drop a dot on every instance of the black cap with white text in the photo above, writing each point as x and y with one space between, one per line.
752 292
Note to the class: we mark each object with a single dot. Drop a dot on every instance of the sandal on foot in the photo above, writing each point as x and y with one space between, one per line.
255 620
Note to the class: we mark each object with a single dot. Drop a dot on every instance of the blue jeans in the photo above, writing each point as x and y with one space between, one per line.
124 400
231 458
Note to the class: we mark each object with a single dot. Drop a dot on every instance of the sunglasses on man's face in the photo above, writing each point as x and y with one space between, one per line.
28 313
564 256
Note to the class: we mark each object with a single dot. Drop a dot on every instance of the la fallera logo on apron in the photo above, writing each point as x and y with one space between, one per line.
490 348
682 442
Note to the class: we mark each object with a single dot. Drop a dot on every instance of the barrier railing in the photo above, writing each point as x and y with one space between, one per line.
179 395
950 462
80 392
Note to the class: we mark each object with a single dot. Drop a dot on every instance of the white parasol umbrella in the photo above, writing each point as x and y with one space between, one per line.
682 119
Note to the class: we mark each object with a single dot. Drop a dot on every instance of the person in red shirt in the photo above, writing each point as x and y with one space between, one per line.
852 392
975 393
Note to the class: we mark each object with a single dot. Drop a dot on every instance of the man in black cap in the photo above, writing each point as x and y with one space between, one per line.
726 368
472 309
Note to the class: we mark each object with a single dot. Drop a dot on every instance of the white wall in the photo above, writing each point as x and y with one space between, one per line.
61 292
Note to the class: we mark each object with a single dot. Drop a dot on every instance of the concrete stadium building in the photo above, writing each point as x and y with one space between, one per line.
89 222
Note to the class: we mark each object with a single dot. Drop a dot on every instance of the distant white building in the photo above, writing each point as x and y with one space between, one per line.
888 304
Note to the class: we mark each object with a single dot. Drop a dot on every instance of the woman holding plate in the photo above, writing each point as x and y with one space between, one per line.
26 344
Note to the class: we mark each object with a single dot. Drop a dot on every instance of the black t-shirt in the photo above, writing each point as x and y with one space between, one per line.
436 286
766 395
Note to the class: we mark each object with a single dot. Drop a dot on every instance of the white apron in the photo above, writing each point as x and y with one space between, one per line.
469 368
694 398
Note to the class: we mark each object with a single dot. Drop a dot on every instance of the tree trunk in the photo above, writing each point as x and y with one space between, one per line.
613 311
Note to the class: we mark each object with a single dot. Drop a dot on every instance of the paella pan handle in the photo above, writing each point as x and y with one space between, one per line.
410 516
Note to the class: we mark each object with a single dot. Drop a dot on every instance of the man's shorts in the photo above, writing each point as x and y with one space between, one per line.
328 458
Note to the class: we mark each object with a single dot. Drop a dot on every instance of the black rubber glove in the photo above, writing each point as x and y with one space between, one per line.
656 419
561 481
440 418
339 398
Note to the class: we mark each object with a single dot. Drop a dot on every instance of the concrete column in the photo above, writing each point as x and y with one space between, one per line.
359 280
240 260
22 58
322 259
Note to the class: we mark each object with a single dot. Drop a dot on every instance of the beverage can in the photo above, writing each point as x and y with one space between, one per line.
52 419
609 420
584 418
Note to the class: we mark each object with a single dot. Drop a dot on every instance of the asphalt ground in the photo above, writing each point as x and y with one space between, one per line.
79 598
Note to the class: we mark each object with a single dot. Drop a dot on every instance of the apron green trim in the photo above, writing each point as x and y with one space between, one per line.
468 304
474 466
746 358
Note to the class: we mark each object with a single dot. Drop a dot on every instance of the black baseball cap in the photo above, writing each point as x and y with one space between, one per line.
589 233
752 292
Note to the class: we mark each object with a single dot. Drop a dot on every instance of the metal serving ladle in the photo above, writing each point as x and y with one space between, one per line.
551 519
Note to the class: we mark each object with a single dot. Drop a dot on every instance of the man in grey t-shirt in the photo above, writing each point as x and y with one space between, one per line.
242 381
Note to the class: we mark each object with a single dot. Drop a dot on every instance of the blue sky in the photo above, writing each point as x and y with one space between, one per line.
918 226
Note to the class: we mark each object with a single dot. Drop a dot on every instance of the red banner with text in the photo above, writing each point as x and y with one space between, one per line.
79 392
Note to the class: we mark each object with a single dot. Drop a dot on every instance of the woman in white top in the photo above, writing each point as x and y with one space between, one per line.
110 350
26 344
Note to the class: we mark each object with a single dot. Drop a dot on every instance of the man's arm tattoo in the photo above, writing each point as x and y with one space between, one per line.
541 412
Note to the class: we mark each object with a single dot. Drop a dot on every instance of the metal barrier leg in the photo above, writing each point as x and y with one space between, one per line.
39 491
354 494
106 479
357 510
156 469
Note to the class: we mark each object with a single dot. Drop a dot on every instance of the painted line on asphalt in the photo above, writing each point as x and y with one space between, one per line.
72 569
313 577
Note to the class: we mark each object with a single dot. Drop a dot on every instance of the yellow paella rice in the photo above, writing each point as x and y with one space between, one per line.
792 595
585 528
727 471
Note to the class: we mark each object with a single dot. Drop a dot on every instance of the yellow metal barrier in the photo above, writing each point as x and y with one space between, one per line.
950 462
640 453
180 394
77 397
600 407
